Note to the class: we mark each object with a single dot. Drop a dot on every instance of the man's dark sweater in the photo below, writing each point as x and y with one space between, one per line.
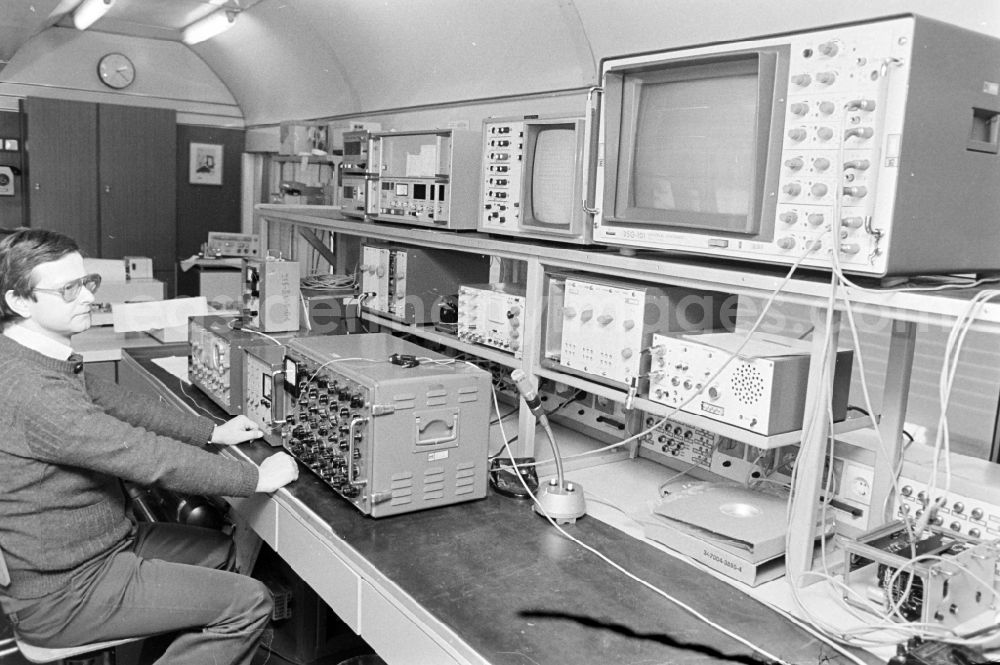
64 443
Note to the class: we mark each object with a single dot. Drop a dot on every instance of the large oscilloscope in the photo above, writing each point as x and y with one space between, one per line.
873 144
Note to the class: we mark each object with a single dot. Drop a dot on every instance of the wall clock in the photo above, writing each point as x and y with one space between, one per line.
116 70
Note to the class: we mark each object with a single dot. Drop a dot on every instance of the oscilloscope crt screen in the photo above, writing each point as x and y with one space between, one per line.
551 152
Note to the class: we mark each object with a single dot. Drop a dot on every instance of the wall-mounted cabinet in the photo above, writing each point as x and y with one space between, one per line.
62 169
105 175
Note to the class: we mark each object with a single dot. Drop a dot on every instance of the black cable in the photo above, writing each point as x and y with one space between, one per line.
494 421
502 447
862 411
569 400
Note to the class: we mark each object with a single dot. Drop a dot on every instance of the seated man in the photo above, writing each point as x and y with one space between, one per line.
80 570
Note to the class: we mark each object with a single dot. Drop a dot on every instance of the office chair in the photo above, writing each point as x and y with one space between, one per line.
36 654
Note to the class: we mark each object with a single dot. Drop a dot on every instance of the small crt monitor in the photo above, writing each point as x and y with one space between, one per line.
534 178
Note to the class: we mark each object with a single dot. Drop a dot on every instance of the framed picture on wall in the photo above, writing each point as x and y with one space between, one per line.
205 165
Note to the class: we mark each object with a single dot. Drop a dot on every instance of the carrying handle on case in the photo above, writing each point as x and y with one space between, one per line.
418 429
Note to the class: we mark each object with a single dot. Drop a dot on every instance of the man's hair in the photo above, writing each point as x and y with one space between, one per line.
20 252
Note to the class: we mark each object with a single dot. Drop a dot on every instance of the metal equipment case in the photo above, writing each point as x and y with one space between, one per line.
409 283
215 361
389 425
271 294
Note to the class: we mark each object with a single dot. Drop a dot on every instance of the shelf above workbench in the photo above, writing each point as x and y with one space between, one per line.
808 288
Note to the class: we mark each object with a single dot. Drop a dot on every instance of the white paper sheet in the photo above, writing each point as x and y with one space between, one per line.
157 314
176 365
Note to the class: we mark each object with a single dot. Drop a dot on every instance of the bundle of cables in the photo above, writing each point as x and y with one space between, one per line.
325 282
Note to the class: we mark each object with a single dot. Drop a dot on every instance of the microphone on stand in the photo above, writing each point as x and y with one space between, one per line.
529 395
560 501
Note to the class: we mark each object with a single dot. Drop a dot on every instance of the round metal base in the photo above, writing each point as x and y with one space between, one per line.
563 504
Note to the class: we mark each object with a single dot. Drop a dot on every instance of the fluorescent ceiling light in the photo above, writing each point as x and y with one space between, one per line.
208 27
89 11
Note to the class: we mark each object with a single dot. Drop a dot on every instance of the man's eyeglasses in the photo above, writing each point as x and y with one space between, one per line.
70 290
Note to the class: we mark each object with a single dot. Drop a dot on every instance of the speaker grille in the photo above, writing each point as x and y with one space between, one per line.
748 384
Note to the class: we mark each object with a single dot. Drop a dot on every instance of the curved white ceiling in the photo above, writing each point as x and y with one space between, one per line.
306 59
320 58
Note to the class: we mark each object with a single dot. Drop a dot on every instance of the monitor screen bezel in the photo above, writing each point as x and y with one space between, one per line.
622 88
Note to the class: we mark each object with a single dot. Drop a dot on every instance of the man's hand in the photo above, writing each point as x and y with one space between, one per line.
237 430
276 471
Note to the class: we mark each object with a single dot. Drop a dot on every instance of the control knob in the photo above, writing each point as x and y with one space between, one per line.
859 132
829 49
861 104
